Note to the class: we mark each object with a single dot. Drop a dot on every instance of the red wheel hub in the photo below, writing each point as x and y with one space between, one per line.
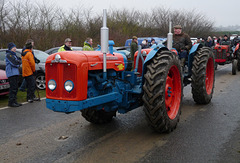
173 92
209 76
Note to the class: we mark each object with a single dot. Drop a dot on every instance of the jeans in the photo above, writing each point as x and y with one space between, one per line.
183 54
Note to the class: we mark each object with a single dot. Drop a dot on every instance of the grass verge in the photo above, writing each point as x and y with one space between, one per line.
21 97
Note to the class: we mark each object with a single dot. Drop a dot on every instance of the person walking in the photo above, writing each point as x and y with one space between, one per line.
28 71
67 45
12 64
88 44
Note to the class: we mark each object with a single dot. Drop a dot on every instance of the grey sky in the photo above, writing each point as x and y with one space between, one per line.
221 12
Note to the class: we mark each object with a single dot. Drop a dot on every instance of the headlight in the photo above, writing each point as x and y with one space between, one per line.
68 85
52 84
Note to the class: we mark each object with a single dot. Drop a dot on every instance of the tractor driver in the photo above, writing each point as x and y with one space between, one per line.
225 40
182 43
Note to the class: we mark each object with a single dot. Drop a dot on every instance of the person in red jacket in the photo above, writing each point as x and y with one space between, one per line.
28 71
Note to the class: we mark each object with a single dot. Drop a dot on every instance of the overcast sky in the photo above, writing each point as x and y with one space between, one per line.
221 12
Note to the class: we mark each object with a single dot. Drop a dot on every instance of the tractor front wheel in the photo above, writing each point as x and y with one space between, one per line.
203 76
234 66
163 92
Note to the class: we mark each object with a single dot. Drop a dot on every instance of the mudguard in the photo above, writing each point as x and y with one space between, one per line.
151 54
194 48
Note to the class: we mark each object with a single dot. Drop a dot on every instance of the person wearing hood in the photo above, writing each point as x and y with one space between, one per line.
24 83
13 62
88 45
28 71
67 45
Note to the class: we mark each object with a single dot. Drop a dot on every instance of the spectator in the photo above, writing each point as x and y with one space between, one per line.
88 44
153 42
67 45
134 47
145 44
12 64
24 84
219 39
28 70
209 42
235 40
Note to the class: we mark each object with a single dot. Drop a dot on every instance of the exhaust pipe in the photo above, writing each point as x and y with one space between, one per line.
170 37
104 43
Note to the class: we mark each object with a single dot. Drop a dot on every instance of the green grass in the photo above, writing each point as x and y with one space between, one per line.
21 97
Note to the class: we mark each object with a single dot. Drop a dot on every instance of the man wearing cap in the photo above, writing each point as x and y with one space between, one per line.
134 47
12 64
88 44
182 43
225 40
67 45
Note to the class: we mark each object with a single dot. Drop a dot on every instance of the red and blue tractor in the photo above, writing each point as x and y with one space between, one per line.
98 84
228 53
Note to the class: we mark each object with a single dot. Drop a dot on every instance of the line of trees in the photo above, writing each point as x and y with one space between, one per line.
48 25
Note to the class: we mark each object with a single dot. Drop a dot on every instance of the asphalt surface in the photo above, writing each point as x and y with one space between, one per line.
205 133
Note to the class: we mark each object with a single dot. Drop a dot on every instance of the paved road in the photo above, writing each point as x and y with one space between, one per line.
206 133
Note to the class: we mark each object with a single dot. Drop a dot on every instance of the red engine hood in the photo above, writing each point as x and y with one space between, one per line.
94 59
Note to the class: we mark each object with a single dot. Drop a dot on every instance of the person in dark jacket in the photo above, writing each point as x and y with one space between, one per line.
133 49
182 43
209 42
67 45
145 44
28 71
225 41
12 64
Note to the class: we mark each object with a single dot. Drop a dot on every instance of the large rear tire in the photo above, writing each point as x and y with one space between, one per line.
203 76
238 59
162 90
98 116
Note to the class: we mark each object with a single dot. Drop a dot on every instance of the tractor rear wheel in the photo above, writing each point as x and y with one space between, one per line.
98 116
163 91
238 59
234 67
203 76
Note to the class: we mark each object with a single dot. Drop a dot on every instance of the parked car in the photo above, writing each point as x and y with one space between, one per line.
40 67
55 50
4 84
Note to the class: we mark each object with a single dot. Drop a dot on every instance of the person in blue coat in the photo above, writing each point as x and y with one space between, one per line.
12 64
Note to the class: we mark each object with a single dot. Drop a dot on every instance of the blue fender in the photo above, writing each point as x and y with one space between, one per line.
194 48
191 56
151 54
